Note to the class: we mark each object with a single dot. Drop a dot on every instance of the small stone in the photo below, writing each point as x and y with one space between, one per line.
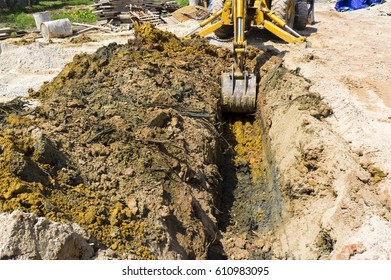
132 205
158 118
114 246
305 122
75 103
259 243
90 216
240 243
312 182
351 250
118 122
129 171
266 248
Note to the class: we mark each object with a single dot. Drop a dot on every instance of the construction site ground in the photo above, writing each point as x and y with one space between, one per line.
128 143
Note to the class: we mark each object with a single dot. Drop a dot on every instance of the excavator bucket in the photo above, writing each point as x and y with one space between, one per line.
239 95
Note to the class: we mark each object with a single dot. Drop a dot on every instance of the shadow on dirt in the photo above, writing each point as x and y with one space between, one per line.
259 38
230 179
308 31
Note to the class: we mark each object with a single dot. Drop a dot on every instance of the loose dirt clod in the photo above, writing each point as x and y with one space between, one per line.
81 39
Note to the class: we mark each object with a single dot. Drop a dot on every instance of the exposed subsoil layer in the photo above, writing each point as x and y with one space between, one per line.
130 144
245 213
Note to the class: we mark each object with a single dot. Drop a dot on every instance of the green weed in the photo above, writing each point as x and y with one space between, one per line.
17 20
85 16
22 17
183 2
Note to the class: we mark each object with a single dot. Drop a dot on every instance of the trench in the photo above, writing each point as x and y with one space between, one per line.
250 202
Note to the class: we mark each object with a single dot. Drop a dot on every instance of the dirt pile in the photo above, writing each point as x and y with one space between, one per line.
125 143
81 39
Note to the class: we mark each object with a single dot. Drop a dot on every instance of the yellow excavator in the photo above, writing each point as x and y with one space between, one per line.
239 86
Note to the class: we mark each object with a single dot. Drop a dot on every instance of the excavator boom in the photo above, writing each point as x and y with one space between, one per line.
239 86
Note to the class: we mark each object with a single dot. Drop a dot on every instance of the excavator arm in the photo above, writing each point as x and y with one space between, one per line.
239 86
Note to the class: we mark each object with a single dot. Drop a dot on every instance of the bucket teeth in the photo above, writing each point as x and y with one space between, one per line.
238 94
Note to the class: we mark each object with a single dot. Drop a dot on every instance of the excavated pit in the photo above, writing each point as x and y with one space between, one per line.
130 144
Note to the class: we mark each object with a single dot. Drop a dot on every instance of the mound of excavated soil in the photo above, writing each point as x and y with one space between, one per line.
124 144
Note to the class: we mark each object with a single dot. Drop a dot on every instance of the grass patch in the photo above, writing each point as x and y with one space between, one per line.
183 2
17 20
23 17
84 16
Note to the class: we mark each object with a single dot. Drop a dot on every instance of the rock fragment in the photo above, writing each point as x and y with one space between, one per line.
25 236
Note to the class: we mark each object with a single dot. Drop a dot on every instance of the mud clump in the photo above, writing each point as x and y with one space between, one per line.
81 39
125 144
248 148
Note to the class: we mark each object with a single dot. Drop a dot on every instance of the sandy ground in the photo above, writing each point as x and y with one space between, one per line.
349 65
29 66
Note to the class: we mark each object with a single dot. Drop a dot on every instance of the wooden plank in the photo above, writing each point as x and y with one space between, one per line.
7 30
119 10
170 20
124 17
89 25
85 30
101 21
111 13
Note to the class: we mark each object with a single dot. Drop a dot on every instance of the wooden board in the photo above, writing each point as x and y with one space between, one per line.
170 20
7 30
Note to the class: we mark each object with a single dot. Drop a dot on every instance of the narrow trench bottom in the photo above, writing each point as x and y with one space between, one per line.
250 202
